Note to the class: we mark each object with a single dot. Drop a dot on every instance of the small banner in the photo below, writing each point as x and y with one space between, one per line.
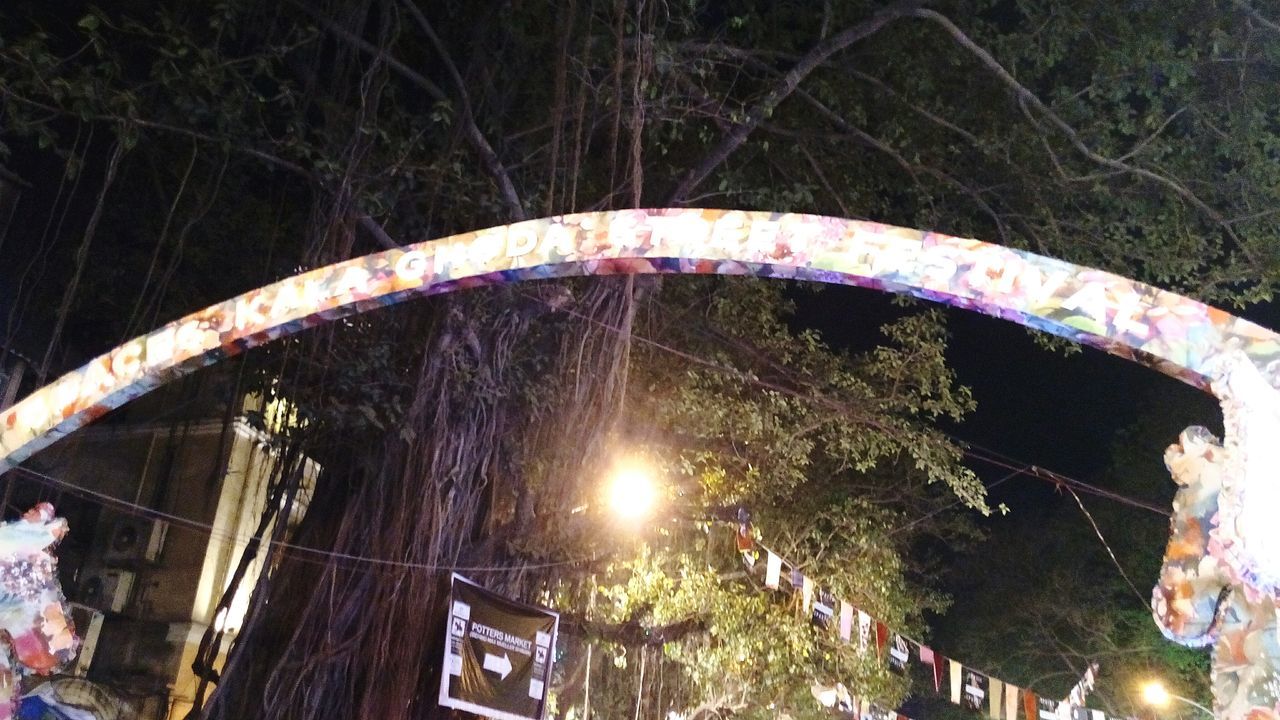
1047 708
797 579
882 638
864 632
875 712
975 690
806 593
935 661
846 621
899 654
995 695
957 672
1010 702
1030 705
497 654
772 571
824 607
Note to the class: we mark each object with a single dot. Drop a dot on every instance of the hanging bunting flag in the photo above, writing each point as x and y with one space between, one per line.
939 662
1031 705
846 621
772 571
957 670
1011 702
975 690
746 542
969 688
930 658
864 632
1078 694
899 654
823 609
875 712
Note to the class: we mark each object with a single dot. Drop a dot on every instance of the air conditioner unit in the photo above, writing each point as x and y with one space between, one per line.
109 590
135 540
88 622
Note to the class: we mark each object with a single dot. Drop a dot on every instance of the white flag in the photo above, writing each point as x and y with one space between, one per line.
772 571
846 621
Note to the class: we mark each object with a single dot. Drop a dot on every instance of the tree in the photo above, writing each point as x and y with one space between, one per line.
1135 139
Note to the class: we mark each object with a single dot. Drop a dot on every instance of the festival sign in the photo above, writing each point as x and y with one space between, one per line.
497 655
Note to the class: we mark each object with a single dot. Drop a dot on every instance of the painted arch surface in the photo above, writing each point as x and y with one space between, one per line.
1173 334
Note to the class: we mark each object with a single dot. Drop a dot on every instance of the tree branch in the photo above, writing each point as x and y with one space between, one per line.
631 633
1270 24
489 158
783 89
1026 97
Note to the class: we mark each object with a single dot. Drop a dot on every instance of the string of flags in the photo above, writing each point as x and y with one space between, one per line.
963 685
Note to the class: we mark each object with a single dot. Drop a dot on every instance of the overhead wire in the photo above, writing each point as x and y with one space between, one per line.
138 510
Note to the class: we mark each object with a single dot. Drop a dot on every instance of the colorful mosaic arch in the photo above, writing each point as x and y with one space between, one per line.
1171 333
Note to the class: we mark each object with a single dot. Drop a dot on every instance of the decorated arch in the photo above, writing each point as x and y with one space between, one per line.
1168 332
1236 543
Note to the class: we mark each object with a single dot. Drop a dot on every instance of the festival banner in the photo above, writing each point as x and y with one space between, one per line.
975 690
1011 697
995 695
846 621
772 571
957 673
1047 708
823 609
864 632
1030 705
899 654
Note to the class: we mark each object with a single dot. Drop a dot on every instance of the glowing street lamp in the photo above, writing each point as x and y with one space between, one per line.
633 492
1156 695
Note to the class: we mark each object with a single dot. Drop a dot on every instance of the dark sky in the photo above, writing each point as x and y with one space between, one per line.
1041 407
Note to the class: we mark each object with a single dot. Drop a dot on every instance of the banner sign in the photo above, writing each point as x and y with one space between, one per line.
899 654
975 690
498 654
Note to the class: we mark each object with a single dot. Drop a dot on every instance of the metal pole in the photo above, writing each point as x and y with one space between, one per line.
640 688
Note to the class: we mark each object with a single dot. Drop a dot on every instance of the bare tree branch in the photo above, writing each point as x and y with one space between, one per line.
1270 24
819 54
1029 98
492 164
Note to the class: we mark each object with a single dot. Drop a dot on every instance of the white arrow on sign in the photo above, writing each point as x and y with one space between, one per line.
500 665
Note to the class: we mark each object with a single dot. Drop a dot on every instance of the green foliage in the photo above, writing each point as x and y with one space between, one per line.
835 458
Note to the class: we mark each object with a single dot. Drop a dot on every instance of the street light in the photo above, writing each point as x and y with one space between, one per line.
632 492
1155 695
